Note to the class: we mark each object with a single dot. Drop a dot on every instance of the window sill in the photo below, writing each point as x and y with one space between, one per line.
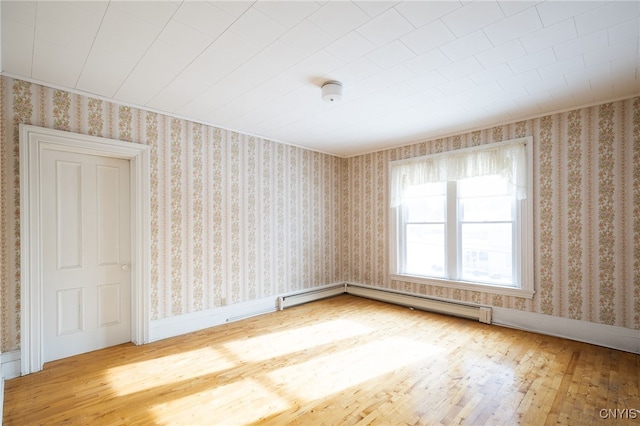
469 286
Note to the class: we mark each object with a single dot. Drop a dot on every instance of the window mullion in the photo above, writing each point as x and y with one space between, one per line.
515 243
402 258
452 234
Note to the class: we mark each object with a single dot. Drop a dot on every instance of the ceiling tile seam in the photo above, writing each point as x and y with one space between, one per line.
271 78
33 45
591 85
225 75
372 18
637 39
279 39
324 48
195 58
248 60
453 61
564 21
142 56
500 5
519 57
404 44
537 8
366 23
555 56
384 11
466 34
283 23
440 18
458 38
450 30
358 30
307 21
519 37
247 91
93 42
602 6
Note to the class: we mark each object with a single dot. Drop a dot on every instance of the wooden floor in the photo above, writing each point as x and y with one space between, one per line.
344 360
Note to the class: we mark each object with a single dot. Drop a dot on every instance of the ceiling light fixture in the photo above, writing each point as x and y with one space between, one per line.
331 91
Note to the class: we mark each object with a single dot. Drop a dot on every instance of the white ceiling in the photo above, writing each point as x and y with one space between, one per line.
411 70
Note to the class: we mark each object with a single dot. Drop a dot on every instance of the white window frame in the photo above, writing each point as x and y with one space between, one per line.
524 243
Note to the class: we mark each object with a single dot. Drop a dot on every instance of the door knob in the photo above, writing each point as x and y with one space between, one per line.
125 267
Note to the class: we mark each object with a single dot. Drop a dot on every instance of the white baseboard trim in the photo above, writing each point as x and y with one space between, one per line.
1 399
621 338
624 339
10 364
188 323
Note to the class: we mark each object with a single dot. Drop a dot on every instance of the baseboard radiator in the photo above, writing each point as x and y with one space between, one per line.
480 313
459 309
309 296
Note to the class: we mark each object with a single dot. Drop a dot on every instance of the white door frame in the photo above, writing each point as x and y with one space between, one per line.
33 140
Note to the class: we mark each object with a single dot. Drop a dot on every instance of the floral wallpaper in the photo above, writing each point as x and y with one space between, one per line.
236 218
4 232
233 217
586 214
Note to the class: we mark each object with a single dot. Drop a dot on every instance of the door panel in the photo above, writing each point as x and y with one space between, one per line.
108 195
69 216
70 311
109 305
86 251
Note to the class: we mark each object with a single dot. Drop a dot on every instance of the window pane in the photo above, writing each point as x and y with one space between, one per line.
485 199
425 250
431 209
426 203
486 253
486 209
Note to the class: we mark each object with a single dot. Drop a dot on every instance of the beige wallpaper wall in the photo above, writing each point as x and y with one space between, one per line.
586 214
234 218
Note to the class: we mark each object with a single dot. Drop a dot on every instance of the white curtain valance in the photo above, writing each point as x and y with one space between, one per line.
506 159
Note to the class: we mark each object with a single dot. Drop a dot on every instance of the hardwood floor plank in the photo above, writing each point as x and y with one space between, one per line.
344 360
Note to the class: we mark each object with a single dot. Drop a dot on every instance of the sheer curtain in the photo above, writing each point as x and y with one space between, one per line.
507 159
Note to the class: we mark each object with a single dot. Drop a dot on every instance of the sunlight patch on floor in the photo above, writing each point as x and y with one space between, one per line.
252 401
133 377
273 345
351 367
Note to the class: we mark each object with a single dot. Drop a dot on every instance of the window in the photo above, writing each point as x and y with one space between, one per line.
463 219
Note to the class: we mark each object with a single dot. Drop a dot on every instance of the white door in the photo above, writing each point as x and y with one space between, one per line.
86 245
